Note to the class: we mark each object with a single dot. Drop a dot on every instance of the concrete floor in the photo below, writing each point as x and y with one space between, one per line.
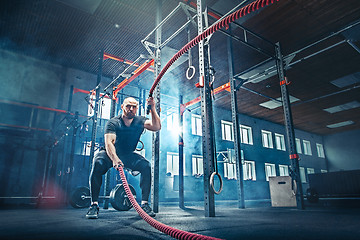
257 221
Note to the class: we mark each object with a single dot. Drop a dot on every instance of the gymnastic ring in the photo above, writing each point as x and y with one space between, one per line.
188 70
142 147
212 182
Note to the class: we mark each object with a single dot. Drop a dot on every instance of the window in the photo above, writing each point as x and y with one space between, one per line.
172 121
249 170
227 130
302 175
197 165
87 148
172 164
267 139
269 170
246 134
196 125
298 145
280 142
320 150
307 147
283 170
310 171
104 107
230 170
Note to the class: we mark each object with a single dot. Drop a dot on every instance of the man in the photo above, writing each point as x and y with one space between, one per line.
122 134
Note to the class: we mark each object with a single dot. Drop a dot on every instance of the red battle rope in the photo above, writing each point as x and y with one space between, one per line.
173 232
231 18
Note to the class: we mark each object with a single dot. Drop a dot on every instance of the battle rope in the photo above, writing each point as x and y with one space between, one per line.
226 21
173 232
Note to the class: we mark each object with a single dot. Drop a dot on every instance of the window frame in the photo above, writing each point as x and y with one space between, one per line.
298 145
105 104
173 124
173 154
281 137
268 135
199 165
196 125
286 173
273 170
223 131
307 147
302 175
321 153
245 170
248 131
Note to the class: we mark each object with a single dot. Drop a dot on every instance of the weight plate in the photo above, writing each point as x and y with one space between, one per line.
119 199
78 199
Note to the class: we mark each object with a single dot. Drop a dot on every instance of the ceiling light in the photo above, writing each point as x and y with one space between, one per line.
343 107
274 104
347 80
340 124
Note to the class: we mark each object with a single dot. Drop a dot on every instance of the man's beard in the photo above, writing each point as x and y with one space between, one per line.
130 115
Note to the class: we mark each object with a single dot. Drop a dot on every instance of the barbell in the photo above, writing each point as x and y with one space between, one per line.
81 198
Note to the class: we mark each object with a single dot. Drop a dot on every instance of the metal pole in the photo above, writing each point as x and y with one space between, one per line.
70 97
96 106
108 174
181 154
72 151
156 135
207 119
290 134
235 121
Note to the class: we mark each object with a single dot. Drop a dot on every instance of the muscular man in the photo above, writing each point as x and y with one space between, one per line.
122 134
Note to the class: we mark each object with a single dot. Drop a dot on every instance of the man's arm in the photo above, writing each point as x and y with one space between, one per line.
155 123
110 139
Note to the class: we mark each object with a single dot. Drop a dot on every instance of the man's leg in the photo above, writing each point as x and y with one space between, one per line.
136 162
100 166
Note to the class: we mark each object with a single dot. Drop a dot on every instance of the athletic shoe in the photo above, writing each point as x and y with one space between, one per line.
93 212
148 209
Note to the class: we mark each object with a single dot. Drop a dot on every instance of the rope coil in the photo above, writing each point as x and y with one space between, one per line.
173 232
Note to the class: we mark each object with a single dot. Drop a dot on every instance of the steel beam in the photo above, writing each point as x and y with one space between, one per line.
108 174
206 118
181 153
96 106
290 134
156 135
236 124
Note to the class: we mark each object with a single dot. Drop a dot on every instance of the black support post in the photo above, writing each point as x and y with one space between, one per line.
236 125
156 135
96 108
181 154
108 174
290 134
207 118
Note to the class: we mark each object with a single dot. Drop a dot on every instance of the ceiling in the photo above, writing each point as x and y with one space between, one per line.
322 76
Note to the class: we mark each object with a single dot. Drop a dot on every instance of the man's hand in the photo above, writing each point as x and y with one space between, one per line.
116 164
151 102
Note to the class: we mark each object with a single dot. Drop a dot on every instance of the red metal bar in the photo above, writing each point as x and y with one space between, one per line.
38 107
137 72
224 87
24 127
87 92
107 56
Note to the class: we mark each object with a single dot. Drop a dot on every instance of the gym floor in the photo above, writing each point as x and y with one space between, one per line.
325 220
